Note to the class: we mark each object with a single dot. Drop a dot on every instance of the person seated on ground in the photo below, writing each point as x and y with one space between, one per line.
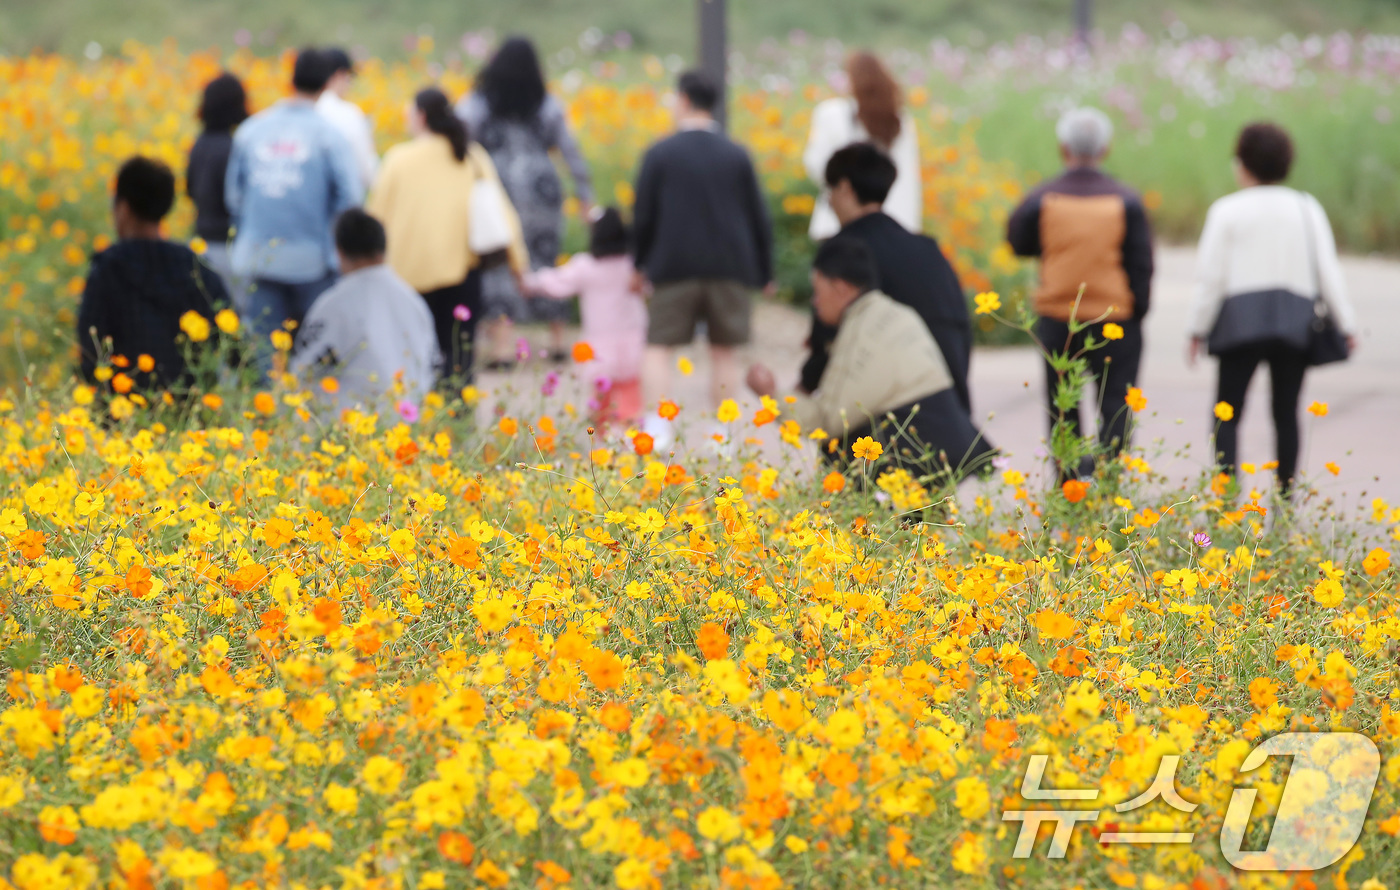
370 332
910 268
139 289
614 316
886 377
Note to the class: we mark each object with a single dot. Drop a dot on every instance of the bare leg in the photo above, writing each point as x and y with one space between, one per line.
724 373
556 337
500 330
656 377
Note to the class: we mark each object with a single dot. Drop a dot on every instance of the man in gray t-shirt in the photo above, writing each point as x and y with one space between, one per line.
370 331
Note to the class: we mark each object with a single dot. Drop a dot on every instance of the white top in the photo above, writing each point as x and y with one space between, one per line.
372 332
1262 238
835 126
353 124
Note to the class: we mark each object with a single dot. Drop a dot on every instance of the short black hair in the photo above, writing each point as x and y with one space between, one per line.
148 188
359 236
699 90
869 170
311 71
847 259
337 60
608 236
1266 151
224 104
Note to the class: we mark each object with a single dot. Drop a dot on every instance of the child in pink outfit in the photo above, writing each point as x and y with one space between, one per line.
614 317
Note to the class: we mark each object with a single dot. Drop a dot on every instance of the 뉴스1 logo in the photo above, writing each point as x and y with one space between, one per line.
1319 818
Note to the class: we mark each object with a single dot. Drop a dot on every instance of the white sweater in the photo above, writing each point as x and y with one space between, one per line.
1259 238
835 126
354 125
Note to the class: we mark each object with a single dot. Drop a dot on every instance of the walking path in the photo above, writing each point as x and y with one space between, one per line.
1360 434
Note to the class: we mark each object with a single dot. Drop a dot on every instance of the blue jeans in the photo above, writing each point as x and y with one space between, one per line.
272 303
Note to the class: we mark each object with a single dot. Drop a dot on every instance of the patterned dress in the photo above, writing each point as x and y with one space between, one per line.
520 148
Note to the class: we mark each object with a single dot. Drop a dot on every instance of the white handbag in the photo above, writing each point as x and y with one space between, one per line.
489 226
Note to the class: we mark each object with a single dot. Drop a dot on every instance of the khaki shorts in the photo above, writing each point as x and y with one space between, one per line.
725 306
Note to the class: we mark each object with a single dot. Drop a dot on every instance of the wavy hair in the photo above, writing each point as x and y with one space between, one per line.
878 97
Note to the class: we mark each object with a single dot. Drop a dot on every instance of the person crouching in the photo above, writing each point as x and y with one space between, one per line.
885 378
370 337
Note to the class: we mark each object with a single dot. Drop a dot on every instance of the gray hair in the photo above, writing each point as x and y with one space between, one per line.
1084 133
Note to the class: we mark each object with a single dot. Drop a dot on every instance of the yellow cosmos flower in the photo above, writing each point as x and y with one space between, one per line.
195 326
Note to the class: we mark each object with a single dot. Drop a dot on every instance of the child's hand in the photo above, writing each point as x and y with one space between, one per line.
640 285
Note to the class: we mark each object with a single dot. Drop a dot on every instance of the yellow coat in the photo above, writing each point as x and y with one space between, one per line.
422 196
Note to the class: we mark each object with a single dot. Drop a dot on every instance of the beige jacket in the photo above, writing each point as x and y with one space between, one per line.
883 358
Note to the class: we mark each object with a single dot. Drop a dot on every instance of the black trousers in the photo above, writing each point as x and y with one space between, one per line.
1287 367
455 336
932 436
953 339
1113 367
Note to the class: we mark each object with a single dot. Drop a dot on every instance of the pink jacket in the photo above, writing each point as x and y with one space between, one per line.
614 318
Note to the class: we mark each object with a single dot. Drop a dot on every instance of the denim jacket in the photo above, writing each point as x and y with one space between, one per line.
289 175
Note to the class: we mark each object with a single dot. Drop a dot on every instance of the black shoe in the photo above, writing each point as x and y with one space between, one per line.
500 364
558 356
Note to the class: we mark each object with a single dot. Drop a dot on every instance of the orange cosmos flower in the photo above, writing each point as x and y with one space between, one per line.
668 409
712 640
642 443
456 847
833 483
615 717
582 352
1075 490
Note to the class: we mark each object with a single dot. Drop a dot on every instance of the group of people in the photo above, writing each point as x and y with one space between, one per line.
384 268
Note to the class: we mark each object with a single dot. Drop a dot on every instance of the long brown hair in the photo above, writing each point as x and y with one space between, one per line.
878 97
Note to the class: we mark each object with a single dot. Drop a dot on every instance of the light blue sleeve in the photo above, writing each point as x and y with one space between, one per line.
234 177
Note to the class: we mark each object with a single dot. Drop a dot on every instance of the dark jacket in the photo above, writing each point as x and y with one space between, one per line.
911 269
135 294
933 438
204 181
1091 230
700 214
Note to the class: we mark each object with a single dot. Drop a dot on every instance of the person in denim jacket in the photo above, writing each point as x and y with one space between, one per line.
291 173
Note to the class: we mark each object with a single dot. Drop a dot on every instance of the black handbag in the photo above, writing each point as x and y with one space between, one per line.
1282 316
1326 342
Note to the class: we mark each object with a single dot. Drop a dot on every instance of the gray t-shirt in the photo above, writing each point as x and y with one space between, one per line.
366 331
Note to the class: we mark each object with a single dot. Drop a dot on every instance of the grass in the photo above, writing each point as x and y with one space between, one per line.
662 26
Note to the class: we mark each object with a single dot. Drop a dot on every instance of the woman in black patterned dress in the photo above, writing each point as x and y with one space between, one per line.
516 120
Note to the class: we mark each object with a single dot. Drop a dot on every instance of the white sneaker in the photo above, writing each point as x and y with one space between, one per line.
662 432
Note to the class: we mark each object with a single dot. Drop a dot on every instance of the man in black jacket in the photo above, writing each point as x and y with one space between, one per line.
139 289
703 241
911 268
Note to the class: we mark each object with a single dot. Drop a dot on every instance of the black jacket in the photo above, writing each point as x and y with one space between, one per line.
700 213
204 181
911 269
135 294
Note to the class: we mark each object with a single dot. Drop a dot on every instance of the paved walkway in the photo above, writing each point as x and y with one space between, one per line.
1361 432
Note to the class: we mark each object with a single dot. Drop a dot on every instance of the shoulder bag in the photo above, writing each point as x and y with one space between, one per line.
1273 315
1326 342
489 225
